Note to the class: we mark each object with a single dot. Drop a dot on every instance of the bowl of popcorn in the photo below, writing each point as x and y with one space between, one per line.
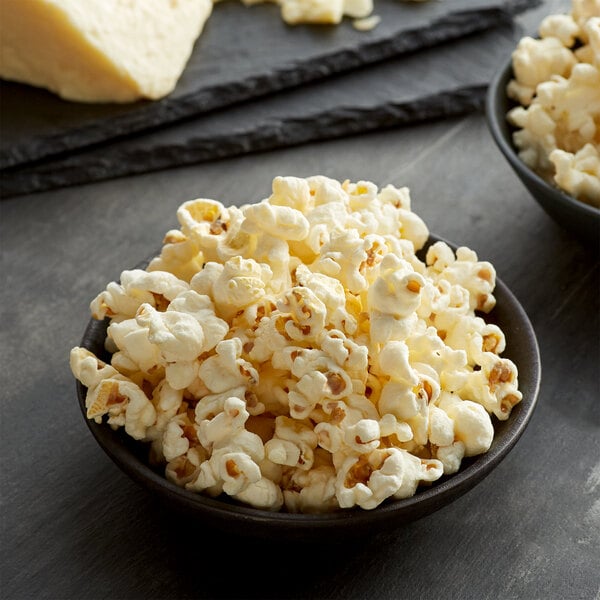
543 110
315 363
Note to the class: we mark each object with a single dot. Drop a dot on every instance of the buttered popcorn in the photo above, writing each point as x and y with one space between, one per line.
557 85
296 354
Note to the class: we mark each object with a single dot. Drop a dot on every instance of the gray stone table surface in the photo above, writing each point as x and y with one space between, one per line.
74 527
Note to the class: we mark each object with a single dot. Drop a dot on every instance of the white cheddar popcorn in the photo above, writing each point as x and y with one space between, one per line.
225 369
177 335
299 355
579 173
137 287
472 424
262 494
557 87
179 255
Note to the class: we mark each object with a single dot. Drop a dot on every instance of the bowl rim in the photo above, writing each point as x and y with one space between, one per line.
495 90
425 501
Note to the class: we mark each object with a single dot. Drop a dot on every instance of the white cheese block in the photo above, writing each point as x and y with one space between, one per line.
99 50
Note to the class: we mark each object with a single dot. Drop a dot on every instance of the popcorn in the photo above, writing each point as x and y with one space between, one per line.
298 355
578 174
472 424
226 370
121 301
557 85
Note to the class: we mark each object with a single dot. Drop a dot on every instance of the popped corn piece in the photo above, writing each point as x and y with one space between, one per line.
207 223
582 10
121 300
390 426
237 471
178 335
397 289
279 221
467 338
293 430
282 452
441 427
472 424
399 399
316 490
451 456
241 283
179 433
535 61
233 464
562 27
167 402
262 494
466 271
226 369
211 405
293 192
202 309
124 403
275 253
89 369
135 351
353 358
307 314
331 293
579 174
394 363
179 255
385 327
329 436
221 426
368 480
185 468
110 393
204 281
181 375
494 385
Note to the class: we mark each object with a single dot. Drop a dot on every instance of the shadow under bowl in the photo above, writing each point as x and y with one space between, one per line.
578 218
225 515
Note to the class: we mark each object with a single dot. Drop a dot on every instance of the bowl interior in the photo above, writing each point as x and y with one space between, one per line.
226 514
577 217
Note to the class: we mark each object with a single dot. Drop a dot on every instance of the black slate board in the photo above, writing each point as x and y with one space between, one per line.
438 82
243 53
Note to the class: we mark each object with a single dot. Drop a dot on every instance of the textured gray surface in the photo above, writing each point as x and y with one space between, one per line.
231 62
73 526
386 94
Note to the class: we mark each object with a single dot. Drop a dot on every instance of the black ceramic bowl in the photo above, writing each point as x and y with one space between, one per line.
226 515
580 219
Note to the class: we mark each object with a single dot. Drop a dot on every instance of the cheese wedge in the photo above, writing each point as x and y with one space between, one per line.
99 50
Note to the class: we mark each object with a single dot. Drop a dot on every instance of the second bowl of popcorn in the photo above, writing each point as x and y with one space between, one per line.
543 110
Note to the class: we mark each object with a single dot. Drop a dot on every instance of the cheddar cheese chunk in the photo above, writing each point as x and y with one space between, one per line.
99 50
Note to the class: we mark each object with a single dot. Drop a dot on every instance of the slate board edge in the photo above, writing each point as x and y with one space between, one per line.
339 123
167 111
